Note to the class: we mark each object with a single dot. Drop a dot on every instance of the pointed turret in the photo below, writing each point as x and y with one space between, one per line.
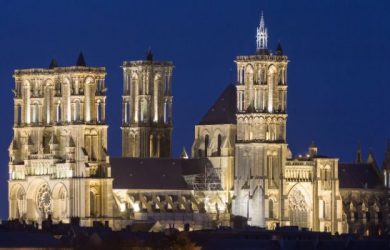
184 154
53 64
81 61
279 50
262 37
149 55
371 159
359 156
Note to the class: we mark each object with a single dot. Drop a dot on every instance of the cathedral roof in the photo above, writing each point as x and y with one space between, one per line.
160 174
224 109
362 175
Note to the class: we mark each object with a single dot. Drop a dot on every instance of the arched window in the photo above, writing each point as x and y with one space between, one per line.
219 145
206 145
271 209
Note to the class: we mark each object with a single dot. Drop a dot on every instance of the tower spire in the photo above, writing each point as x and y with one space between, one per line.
262 35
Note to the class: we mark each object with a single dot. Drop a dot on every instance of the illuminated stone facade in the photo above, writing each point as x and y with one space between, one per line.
58 155
147 108
241 164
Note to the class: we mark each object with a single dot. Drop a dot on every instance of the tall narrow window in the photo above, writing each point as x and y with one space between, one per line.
129 82
98 111
77 111
19 115
241 101
92 204
206 145
35 113
165 112
143 111
219 145
58 112
242 75
270 170
126 113
271 209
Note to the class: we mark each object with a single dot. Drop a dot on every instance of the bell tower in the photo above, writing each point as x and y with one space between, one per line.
261 146
147 108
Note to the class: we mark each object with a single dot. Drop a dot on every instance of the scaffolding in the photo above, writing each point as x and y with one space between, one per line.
209 180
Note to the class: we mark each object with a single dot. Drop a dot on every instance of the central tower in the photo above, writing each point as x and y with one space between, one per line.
261 146
147 108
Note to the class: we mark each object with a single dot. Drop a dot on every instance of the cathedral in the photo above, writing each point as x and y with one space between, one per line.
240 167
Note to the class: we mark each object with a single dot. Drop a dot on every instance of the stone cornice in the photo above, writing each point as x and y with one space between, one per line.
261 115
254 58
59 70
142 63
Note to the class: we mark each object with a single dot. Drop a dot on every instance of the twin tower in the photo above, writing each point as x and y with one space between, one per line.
147 108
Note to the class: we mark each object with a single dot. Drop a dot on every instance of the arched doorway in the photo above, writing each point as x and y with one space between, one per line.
60 202
17 202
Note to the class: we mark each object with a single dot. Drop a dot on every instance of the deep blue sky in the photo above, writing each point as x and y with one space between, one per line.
339 74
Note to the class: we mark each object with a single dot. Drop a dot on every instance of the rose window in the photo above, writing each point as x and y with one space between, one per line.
44 199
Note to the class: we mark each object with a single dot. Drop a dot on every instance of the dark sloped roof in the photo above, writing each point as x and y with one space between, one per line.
224 109
362 175
163 174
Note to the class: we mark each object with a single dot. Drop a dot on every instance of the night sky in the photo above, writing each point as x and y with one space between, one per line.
338 77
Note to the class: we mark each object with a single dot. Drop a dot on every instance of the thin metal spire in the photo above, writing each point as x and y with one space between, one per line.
262 34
